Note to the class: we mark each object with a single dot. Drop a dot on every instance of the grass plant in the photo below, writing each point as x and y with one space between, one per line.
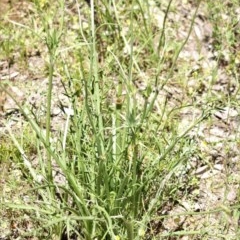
118 157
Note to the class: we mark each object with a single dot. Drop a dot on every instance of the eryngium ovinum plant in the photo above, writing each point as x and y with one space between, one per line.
116 155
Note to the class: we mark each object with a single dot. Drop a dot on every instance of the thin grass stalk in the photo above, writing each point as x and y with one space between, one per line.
162 37
183 233
170 72
48 118
145 20
134 134
52 41
94 76
27 164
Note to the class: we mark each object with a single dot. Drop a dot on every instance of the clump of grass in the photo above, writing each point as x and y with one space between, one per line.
115 155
